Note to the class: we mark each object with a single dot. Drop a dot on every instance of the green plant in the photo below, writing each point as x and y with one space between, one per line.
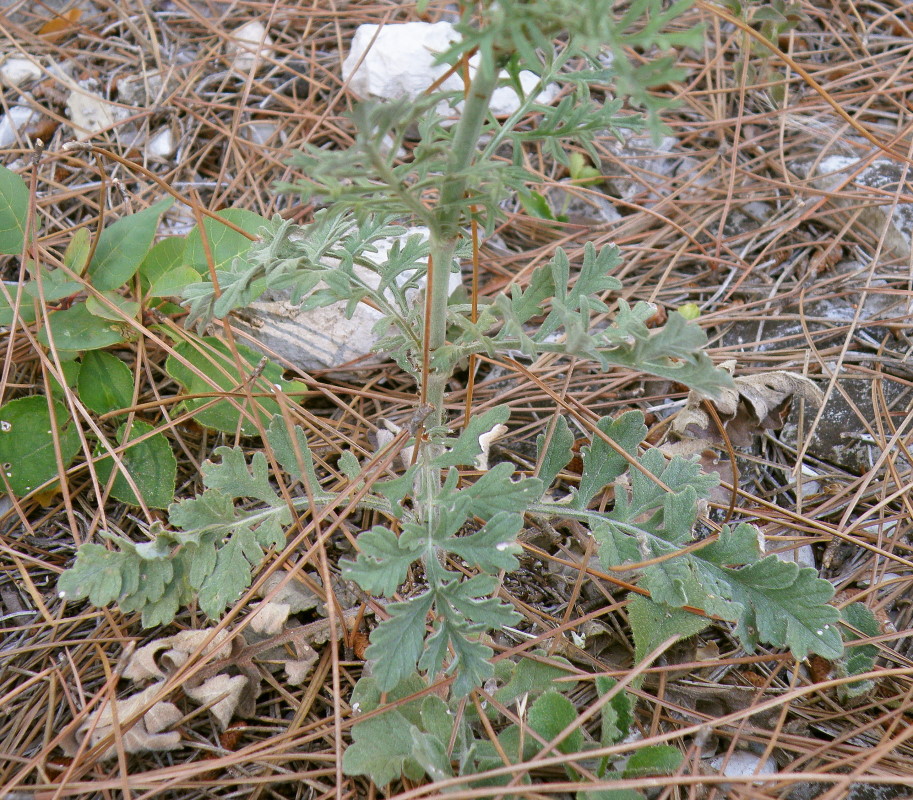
89 299
772 20
427 736
434 519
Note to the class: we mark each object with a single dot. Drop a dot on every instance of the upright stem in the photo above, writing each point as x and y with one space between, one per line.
445 232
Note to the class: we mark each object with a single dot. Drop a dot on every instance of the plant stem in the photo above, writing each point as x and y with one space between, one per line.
445 230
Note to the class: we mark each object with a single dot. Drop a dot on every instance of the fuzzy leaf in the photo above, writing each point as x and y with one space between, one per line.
383 561
617 713
464 450
558 454
550 714
494 491
860 657
396 643
380 747
657 759
227 581
96 574
533 676
287 454
601 463
857 658
652 624
787 607
492 548
233 477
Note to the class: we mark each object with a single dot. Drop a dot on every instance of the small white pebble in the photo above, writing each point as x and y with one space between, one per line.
249 46
16 71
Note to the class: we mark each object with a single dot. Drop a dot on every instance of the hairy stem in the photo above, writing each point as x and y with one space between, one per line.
445 231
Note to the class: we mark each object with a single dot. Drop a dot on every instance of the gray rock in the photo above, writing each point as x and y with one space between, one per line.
878 212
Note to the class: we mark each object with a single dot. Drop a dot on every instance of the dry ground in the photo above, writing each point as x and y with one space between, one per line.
788 274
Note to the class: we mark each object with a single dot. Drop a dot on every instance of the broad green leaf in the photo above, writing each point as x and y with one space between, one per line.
534 676
214 359
26 312
51 284
617 713
151 464
657 759
380 747
96 574
77 252
558 454
173 282
396 643
123 245
71 370
550 714
601 463
225 244
14 211
27 455
75 328
652 624
163 257
537 206
105 382
123 307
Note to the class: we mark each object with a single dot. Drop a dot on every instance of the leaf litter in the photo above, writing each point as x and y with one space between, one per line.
750 241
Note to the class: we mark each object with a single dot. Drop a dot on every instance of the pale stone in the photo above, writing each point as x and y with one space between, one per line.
250 47
398 60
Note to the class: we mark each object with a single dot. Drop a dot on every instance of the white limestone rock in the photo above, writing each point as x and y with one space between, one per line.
15 71
322 338
250 47
400 62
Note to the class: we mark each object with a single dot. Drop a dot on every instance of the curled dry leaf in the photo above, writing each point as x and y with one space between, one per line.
280 588
269 618
143 665
148 734
756 402
485 441
222 693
